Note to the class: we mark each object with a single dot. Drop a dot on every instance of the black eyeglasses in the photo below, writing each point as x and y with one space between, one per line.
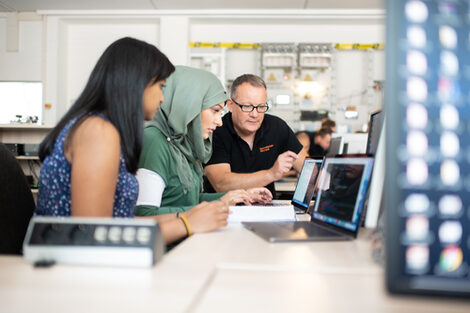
262 108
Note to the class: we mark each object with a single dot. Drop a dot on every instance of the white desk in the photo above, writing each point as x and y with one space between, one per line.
230 270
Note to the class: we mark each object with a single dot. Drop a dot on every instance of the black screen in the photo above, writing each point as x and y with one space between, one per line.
342 188
375 127
339 196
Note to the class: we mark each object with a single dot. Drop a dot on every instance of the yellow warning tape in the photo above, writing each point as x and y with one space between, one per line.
359 46
230 45
249 45
344 46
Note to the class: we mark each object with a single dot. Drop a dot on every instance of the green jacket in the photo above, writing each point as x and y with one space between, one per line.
156 156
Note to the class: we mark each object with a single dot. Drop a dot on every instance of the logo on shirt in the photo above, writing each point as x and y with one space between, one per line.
264 149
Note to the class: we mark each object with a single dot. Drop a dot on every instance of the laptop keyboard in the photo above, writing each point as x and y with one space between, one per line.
286 202
279 203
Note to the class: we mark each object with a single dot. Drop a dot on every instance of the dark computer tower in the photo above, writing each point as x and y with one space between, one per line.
15 148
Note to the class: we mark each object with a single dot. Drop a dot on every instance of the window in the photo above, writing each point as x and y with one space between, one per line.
20 98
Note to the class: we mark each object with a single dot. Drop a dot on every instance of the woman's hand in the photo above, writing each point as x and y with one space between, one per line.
236 196
260 195
207 216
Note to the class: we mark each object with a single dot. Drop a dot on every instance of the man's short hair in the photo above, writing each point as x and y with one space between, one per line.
322 132
251 79
327 123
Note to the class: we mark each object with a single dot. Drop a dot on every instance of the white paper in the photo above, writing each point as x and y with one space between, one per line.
254 213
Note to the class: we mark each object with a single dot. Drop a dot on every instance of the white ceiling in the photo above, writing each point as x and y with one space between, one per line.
34 5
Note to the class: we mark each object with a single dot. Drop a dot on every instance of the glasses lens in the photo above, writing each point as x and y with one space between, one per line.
246 108
262 108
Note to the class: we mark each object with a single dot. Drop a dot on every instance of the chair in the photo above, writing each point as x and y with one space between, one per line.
16 203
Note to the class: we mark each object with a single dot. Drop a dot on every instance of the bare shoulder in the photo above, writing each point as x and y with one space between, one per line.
94 136
95 128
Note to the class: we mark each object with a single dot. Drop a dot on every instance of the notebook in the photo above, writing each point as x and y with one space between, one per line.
256 213
342 189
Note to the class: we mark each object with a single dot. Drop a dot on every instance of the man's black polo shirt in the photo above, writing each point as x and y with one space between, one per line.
273 138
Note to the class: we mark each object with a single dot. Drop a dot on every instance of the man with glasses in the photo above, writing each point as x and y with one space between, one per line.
251 149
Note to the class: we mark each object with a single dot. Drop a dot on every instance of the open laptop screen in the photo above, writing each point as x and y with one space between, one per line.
306 183
336 146
342 190
375 128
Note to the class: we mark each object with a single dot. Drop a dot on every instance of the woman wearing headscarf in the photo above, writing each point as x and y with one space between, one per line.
178 141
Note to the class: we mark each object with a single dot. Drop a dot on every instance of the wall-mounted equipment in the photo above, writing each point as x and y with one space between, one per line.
313 115
278 62
280 97
315 55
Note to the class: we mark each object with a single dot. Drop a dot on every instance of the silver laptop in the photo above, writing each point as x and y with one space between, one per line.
342 189
305 187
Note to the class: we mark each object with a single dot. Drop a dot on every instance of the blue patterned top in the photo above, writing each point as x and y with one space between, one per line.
55 177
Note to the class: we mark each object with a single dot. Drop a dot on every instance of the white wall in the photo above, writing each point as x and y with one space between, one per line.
241 62
85 42
355 71
26 63
20 60
285 31
72 42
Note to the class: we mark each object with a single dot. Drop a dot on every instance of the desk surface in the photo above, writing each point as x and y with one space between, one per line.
230 270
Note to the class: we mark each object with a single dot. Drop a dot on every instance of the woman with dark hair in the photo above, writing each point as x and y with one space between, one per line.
91 156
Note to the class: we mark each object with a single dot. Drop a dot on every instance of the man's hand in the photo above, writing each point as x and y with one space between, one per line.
283 164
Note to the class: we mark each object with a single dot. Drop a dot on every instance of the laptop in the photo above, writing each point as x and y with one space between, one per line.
306 183
342 189
305 187
336 147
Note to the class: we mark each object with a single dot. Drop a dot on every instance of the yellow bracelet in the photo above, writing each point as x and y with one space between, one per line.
186 224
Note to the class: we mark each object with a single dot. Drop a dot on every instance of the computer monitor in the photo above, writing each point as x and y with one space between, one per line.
374 201
375 128
354 143
336 147
427 177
